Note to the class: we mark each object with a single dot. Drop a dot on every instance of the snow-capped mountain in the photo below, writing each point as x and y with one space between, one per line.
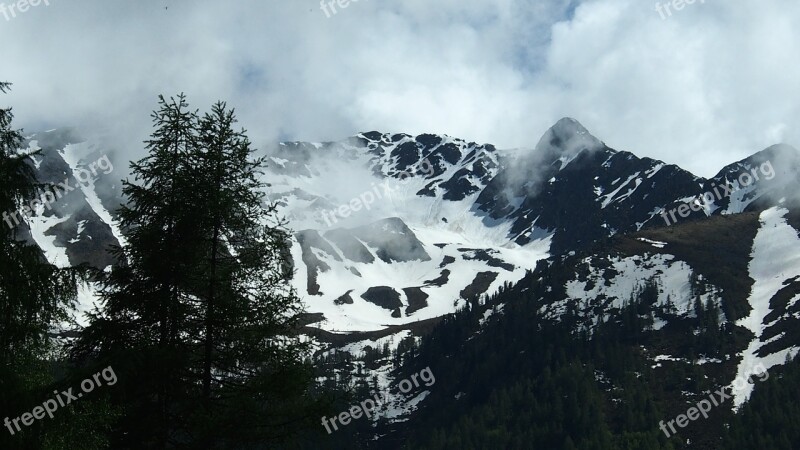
392 232
386 228
747 265
392 229
76 226
657 319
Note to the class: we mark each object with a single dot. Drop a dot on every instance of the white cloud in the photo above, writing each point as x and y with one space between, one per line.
711 84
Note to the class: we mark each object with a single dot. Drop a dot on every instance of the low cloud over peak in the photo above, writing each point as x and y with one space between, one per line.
705 86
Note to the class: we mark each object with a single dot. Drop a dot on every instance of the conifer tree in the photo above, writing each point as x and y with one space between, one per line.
198 312
142 324
251 356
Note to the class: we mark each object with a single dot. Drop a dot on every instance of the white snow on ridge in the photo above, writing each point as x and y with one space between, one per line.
344 176
72 155
356 349
657 244
365 316
348 178
740 198
609 198
672 277
39 226
565 160
775 258
667 358
33 146
651 172
497 309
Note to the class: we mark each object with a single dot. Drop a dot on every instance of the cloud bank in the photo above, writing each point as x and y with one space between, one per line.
708 85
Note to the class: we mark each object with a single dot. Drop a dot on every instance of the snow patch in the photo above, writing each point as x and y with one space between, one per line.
775 258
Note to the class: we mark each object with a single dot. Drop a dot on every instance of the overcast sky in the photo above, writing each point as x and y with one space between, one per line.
708 85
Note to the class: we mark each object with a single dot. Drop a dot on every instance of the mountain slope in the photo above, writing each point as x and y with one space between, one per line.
597 349
394 233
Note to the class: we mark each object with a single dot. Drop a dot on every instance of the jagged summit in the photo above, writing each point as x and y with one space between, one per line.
784 149
426 216
780 154
568 138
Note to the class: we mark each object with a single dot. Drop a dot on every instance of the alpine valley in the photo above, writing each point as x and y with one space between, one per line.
553 301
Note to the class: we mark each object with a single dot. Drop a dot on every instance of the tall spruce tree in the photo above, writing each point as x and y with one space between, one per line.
142 324
253 376
199 314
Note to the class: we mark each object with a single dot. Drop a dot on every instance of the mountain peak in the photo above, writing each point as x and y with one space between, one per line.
567 136
785 158
568 123
779 151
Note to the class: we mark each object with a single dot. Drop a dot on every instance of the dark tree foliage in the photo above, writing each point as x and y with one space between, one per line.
771 418
35 299
524 381
199 316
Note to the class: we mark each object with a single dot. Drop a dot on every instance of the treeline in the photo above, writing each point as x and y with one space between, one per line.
197 316
771 418
535 384
520 381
